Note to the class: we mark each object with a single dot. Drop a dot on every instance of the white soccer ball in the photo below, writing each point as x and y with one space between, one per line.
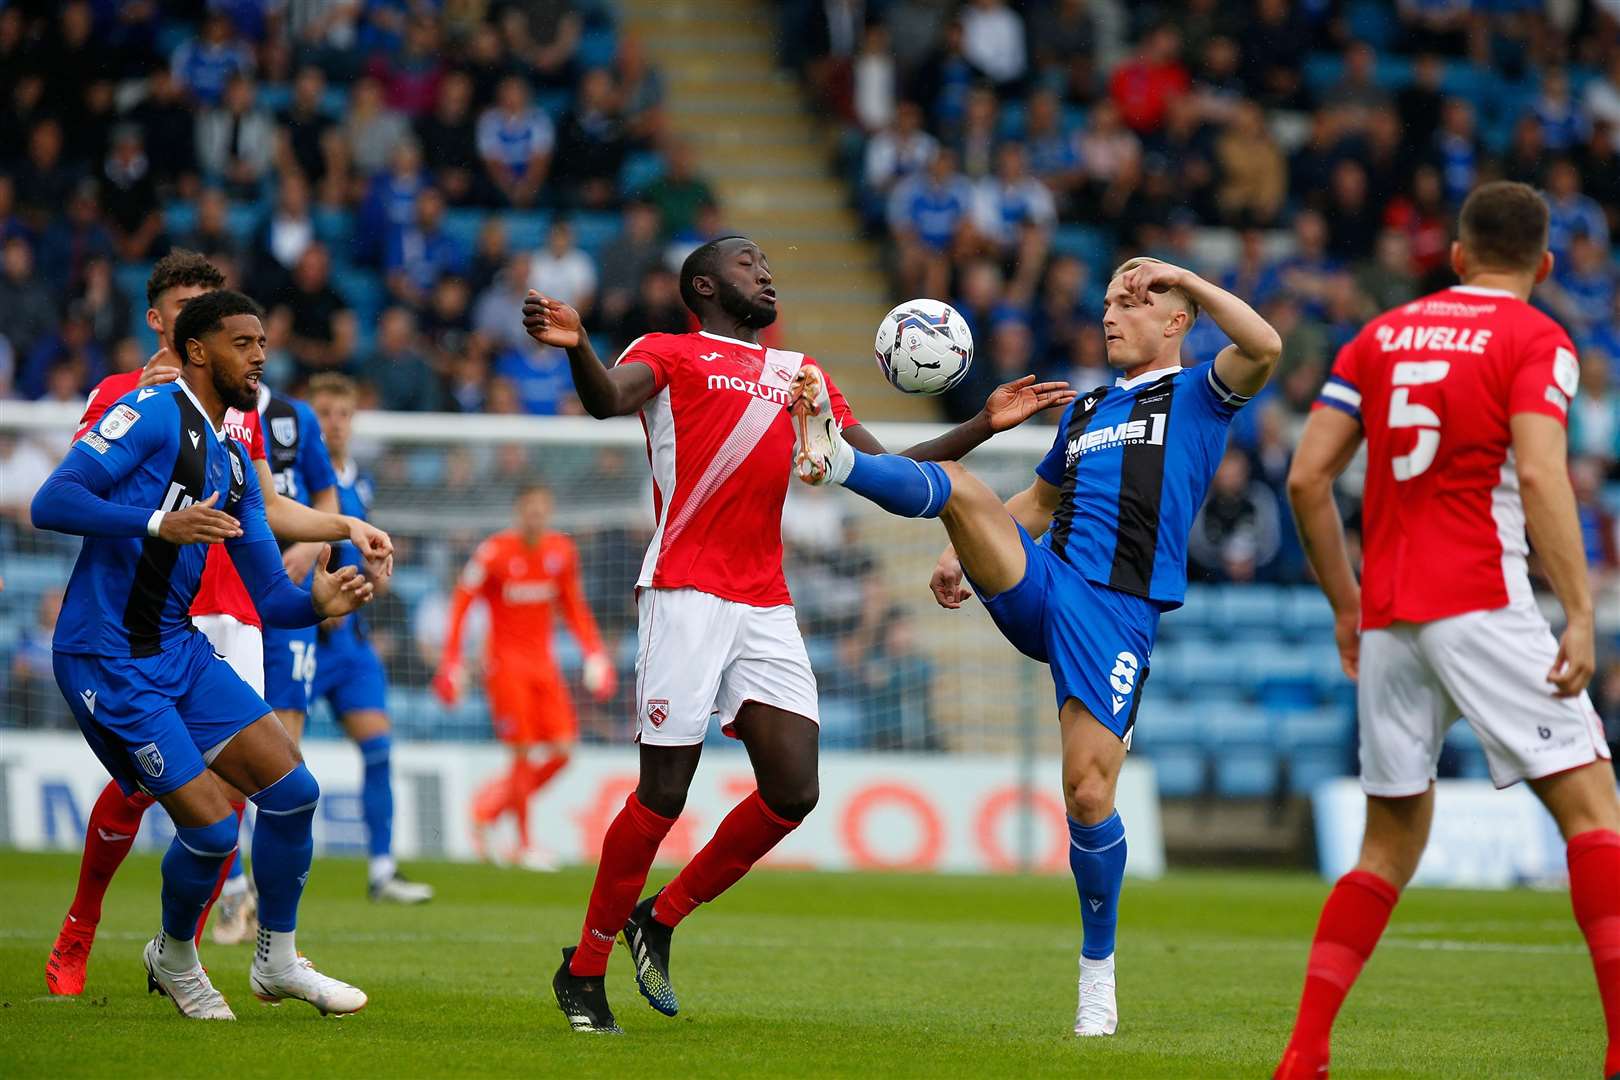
924 347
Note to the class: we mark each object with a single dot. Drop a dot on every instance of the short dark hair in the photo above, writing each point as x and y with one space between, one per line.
704 262
203 315
533 487
1504 224
182 267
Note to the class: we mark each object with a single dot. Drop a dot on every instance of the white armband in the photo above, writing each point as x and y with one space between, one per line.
154 523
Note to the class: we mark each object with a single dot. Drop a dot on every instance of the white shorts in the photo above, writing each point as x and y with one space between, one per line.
699 656
241 645
1489 667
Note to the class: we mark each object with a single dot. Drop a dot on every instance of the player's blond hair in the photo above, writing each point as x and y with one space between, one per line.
334 383
1180 295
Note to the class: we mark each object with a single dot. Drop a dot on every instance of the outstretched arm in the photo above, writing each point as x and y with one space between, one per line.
604 391
1330 440
1008 406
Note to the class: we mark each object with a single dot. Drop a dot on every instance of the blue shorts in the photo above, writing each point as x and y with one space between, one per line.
1097 640
289 668
153 720
350 676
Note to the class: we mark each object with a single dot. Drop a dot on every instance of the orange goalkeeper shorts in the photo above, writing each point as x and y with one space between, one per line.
530 705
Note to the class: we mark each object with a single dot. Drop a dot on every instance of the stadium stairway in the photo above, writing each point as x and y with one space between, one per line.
757 140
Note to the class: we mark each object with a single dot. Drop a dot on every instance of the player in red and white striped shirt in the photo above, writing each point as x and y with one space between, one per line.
1462 397
717 627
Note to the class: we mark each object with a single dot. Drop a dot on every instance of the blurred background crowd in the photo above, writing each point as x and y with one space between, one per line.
390 176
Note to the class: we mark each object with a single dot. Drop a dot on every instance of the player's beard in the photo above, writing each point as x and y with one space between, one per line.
747 312
235 394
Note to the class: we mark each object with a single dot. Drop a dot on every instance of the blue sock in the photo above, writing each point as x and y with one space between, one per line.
190 868
283 845
377 793
1097 857
915 489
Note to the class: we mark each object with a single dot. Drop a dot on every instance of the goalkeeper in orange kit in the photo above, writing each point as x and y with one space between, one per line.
524 574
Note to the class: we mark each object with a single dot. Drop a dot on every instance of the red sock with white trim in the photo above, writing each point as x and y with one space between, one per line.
1594 892
1352 921
627 854
746 835
114 820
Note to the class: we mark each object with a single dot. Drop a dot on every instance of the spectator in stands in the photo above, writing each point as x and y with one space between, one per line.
69 358
1526 158
1384 154
370 129
631 255
1061 30
680 192
1217 87
1602 98
896 681
307 138
402 377
1456 151
286 234
1599 162
551 31
421 253
168 126
88 116
975 139
1581 290
129 196
1275 45
25 108
44 178
1594 415
492 313
640 93
27 311
538 378
1065 305
236 141
1108 149
390 203
204 65
324 33
1387 279
1254 173
515 140
1436 25
73 238
1254 276
1352 218
993 42
831 34
1015 214
1237 533
446 323
490 255
941 84
1423 217
1598 529
32 700
449 139
1308 274
1051 147
1562 125
657 308
321 326
1357 89
929 216
1569 211
212 235
1143 86
563 271
591 144
410 77
1010 348
103 303
899 150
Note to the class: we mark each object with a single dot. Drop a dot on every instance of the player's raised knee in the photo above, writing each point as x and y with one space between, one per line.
294 793
1088 797
796 802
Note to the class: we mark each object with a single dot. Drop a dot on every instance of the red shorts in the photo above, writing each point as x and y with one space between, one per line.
530 705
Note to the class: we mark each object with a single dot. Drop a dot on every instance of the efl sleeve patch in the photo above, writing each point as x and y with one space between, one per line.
119 419
1566 372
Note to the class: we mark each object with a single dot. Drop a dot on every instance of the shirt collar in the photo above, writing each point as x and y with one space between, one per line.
219 433
1480 290
1146 377
347 475
264 396
730 340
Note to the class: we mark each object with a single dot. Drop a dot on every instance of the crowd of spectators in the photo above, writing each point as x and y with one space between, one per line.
1311 157
386 176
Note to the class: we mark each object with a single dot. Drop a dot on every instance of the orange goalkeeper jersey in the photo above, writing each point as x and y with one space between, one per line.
523 585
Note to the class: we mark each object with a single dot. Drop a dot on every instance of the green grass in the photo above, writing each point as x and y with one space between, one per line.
814 975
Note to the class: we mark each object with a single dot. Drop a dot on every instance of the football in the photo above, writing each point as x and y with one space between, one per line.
924 347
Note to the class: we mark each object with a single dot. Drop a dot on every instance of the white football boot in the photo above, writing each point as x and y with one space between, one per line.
821 456
191 991
236 918
301 982
1098 1013
399 889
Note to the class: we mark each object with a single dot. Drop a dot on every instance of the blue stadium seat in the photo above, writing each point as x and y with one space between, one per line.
131 280
595 230
1090 245
597 47
31 575
241 219
1181 772
461 224
1011 120
274 97
1317 729
1307 769
841 724
1306 612
1245 772
1232 727
526 229
640 170
179 216
1253 606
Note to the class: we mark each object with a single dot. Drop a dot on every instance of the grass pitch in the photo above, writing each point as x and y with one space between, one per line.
798 975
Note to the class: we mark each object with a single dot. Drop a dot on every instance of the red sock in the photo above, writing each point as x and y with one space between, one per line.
239 808
538 776
1353 919
517 798
1594 891
627 854
492 799
742 839
114 821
